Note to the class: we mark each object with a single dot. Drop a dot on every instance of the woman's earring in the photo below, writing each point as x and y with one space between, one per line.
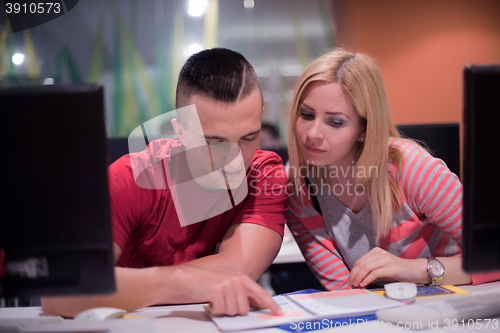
362 139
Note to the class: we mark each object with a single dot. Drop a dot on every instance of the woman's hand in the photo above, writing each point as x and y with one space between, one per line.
380 264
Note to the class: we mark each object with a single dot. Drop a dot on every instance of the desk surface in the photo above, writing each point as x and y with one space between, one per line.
194 319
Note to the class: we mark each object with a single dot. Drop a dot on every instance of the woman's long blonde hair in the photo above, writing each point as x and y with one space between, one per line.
362 83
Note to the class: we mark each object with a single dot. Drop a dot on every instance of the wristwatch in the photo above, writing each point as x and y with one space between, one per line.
435 268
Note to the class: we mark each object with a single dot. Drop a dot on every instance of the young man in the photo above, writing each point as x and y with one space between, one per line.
163 253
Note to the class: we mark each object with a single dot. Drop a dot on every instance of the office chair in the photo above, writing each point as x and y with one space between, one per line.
442 140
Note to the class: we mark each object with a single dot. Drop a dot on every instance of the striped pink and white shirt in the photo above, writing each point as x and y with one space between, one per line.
429 222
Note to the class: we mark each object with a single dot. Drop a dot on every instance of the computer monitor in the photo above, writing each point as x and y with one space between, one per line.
481 165
55 219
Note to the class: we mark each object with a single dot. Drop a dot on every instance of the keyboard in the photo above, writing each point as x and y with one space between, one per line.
14 324
461 312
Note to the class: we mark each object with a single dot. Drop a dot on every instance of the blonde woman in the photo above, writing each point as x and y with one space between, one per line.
367 205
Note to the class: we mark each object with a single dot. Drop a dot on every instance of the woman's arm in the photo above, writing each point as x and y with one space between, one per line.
432 191
380 264
322 257
435 192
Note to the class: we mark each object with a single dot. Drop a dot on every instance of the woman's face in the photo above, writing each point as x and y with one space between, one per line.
328 127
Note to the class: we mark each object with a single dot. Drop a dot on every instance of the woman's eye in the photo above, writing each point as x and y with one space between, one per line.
306 115
336 122
250 139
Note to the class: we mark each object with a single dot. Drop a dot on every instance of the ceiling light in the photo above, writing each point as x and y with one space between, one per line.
18 58
197 7
192 49
248 3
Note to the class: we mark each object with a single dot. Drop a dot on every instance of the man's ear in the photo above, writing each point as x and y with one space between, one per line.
178 129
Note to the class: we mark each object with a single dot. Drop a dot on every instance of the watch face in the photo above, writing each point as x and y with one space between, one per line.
435 268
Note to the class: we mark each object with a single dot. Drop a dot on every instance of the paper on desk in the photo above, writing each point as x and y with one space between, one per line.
332 304
263 318
343 303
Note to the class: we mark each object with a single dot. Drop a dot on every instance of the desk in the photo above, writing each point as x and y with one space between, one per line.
193 319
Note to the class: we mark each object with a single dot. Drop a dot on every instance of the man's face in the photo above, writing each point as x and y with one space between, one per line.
228 129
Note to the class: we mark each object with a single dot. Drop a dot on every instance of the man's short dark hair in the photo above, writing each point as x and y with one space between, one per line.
218 73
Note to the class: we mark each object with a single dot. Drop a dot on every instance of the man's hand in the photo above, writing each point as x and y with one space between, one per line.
228 294
221 279
380 264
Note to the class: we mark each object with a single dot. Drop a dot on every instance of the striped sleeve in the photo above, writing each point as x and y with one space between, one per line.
433 190
318 249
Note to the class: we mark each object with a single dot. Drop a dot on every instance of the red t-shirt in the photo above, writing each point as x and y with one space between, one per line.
145 222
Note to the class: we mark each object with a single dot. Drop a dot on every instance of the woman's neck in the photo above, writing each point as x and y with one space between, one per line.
340 182
341 172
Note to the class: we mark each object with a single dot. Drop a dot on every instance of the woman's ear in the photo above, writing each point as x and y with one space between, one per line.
362 137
